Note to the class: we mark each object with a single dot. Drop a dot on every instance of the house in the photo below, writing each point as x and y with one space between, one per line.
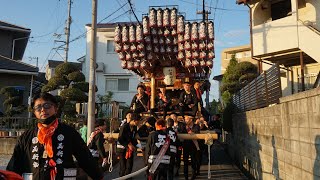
287 32
13 72
109 74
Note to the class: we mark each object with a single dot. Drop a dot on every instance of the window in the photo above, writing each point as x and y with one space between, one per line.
309 80
110 46
117 85
111 85
238 55
123 84
247 54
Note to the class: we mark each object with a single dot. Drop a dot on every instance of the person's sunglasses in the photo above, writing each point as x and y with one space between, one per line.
44 106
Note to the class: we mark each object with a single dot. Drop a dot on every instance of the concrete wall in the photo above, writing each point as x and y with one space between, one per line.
7 144
281 141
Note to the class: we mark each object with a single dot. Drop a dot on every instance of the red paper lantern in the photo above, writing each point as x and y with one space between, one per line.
149 56
126 47
147 39
140 46
173 17
202 63
132 34
156 49
159 17
139 33
180 55
162 49
187 45
203 54
152 18
180 47
209 63
202 31
175 40
210 30
187 29
174 32
166 32
149 48
202 45
130 65
188 54
168 40
195 54
133 48
187 63
124 64
136 65
135 55
194 32
169 49
180 38
144 64
154 31
128 56
142 54
125 34
145 25
195 63
155 40
211 55
117 34
194 46
180 24
122 55
160 32
175 49
166 17
117 47
161 40
210 46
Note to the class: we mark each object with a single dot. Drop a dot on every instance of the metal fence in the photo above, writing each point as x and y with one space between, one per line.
261 92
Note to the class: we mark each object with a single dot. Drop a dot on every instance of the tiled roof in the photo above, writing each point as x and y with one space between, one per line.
54 64
2 23
7 64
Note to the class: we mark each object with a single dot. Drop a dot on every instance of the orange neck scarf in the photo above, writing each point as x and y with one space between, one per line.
44 137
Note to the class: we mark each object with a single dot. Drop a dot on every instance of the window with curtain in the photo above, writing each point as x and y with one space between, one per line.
123 84
110 46
111 85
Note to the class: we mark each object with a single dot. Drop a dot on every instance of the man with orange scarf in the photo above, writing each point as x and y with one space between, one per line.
47 150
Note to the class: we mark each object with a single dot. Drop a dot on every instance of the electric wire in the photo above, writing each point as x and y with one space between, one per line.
222 9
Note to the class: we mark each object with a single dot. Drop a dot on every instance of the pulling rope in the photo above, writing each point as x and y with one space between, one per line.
110 149
132 174
209 141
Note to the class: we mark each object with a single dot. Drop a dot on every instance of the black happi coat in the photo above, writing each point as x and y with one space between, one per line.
97 144
160 103
187 99
127 135
154 143
139 106
173 141
189 145
66 142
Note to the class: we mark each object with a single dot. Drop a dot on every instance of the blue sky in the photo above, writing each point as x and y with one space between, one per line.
46 18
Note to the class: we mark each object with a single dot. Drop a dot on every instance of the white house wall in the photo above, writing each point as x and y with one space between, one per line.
112 69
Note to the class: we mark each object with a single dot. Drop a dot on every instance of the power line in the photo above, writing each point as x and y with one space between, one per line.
222 9
129 1
84 34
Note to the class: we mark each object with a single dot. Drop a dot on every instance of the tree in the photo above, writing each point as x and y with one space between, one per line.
236 77
103 99
74 88
12 102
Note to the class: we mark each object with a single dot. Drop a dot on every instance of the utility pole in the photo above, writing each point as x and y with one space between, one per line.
67 30
205 17
92 73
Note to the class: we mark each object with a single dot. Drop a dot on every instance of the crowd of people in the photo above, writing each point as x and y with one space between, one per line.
48 150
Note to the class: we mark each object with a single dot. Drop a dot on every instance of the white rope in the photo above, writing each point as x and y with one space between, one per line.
132 174
110 150
209 142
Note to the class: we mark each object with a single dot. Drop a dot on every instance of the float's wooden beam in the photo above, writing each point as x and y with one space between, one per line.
202 135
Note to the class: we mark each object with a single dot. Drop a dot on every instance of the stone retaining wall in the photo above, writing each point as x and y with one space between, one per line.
7 144
281 141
